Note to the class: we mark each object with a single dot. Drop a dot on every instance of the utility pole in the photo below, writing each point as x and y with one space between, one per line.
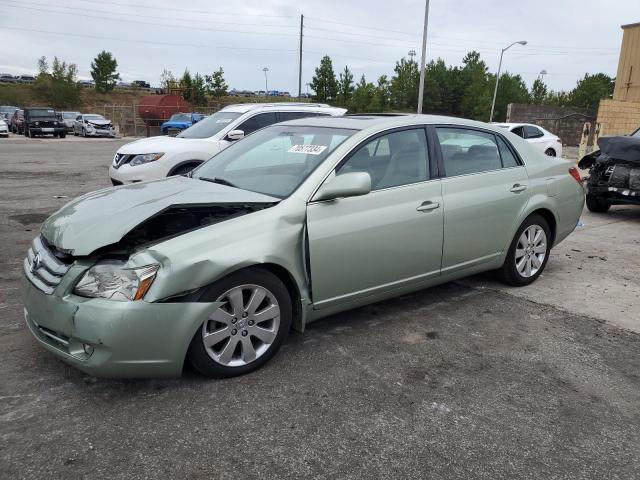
300 62
266 83
424 56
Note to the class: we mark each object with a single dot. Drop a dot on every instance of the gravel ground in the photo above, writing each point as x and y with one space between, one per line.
466 380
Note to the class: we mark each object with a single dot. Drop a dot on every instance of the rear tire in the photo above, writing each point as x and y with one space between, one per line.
246 338
596 204
528 254
550 152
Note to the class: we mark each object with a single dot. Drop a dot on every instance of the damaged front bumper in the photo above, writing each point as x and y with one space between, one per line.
106 338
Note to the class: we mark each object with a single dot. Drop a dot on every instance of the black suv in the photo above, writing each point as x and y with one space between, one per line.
43 121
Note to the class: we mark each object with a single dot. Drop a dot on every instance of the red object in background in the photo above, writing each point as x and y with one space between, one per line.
156 109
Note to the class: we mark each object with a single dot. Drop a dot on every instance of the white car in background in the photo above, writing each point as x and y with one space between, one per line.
4 129
159 157
537 136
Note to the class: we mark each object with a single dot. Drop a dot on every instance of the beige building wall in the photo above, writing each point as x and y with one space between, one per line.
621 115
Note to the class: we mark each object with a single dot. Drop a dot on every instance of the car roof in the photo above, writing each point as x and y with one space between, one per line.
512 124
247 107
380 122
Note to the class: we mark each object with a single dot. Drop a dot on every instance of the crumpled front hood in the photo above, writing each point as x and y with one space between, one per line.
103 217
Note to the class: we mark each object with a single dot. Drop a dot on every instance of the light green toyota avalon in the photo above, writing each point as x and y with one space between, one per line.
295 222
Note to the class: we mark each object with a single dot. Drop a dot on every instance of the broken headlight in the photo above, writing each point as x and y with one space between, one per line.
110 279
145 158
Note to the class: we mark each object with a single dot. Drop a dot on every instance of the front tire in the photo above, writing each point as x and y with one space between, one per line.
528 253
183 169
596 204
247 330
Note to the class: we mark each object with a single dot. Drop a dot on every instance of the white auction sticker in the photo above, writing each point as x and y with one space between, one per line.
224 120
309 149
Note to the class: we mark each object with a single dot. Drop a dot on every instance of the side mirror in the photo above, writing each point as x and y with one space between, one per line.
234 135
346 185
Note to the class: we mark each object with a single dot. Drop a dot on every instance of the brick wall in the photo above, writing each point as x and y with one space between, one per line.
566 122
617 117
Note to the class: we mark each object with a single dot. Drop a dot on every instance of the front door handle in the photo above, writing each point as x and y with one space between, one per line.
428 206
517 188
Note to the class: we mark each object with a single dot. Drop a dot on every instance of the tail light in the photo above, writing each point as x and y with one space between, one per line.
573 171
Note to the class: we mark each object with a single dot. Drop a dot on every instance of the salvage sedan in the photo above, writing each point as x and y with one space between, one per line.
295 222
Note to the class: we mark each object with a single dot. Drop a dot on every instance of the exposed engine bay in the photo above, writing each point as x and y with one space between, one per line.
177 220
614 170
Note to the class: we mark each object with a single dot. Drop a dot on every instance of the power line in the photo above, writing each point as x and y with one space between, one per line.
186 10
151 42
139 22
93 10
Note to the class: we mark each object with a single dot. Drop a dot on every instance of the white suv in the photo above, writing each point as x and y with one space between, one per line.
159 157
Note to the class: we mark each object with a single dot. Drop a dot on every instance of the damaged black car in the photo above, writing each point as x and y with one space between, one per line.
614 173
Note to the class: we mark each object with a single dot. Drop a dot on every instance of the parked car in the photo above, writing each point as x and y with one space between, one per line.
179 122
86 83
540 138
93 125
7 78
69 119
141 84
17 122
26 79
159 157
614 172
295 222
6 111
42 121
4 128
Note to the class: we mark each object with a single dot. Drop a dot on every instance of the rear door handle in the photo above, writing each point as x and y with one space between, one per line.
517 188
428 206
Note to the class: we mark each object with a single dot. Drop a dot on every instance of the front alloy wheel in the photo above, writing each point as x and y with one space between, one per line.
247 329
244 328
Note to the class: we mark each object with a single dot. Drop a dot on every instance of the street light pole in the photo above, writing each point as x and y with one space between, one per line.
495 90
266 84
424 56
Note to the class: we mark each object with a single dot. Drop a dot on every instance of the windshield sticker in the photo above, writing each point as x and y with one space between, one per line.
223 120
308 149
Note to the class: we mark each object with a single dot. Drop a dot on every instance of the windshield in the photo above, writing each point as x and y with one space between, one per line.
94 117
209 126
180 117
8 109
42 112
275 160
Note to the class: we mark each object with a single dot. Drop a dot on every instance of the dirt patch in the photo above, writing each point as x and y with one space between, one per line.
29 218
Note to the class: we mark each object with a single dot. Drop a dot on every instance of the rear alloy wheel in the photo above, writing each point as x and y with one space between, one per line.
550 152
596 204
247 330
528 253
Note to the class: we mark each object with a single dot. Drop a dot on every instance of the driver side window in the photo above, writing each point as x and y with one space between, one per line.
398 158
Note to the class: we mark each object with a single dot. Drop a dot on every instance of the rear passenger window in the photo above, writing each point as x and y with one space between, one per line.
398 158
518 131
257 122
532 132
468 151
284 116
508 158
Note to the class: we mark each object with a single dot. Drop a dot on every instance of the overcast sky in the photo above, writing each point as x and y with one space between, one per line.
565 37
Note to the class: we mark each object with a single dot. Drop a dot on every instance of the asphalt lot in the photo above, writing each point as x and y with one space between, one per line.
466 380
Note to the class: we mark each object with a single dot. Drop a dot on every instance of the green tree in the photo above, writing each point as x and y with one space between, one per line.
439 88
404 85
168 80
103 72
324 82
557 99
381 99
186 85
475 98
590 90
345 87
538 92
511 89
216 85
363 94
58 85
198 91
